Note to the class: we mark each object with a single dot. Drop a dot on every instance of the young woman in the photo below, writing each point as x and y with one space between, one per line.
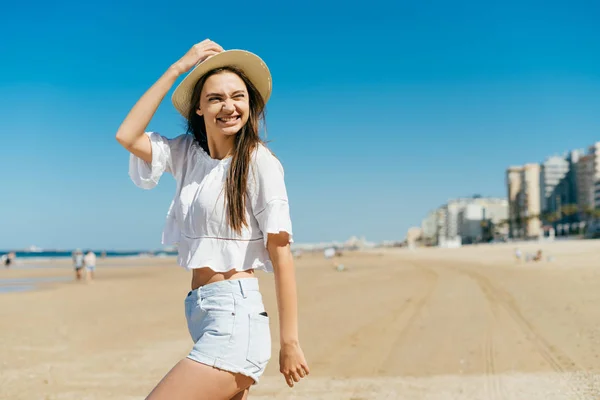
229 217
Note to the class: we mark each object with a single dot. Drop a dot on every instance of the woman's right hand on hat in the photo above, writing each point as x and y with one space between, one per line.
198 53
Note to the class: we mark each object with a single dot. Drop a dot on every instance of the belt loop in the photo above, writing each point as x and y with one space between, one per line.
242 288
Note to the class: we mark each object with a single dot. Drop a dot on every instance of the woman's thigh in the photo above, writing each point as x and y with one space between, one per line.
191 380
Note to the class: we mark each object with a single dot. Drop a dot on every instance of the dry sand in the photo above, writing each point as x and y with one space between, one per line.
465 323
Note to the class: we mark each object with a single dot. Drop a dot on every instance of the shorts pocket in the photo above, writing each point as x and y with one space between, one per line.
220 303
215 328
259 340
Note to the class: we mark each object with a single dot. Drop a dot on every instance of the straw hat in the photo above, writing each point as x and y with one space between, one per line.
255 69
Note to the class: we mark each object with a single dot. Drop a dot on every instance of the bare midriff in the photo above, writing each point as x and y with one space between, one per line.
204 276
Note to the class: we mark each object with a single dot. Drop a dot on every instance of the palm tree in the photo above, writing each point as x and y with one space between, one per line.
517 226
569 209
589 212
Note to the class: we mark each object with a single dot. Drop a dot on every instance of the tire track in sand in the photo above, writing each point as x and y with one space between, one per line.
395 324
495 387
499 298
432 282
391 327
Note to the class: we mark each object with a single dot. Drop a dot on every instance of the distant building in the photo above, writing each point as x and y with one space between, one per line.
470 223
585 182
514 186
413 235
524 201
530 199
476 221
464 220
552 171
588 175
429 228
450 214
566 191
597 195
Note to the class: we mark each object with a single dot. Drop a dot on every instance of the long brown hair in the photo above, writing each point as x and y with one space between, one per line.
246 141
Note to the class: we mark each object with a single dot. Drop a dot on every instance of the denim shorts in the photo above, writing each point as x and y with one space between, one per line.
229 327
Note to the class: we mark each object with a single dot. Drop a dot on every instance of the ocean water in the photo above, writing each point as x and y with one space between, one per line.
12 285
53 254
43 259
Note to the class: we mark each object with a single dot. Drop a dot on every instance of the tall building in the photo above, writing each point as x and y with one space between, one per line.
514 186
530 199
552 171
585 182
523 187
566 191
595 151
588 176
597 195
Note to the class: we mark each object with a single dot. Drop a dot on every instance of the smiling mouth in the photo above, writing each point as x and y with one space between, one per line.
229 119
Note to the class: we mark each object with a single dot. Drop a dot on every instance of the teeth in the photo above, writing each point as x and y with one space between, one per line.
228 119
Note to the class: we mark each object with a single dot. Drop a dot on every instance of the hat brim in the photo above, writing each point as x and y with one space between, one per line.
253 67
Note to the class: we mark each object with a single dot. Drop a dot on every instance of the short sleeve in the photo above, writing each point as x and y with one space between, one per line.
268 194
167 155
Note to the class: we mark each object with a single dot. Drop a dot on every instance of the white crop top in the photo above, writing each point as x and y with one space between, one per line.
197 218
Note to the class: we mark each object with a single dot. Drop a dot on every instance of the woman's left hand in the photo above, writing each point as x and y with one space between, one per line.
292 363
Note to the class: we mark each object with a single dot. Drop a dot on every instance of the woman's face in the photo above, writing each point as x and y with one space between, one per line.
224 104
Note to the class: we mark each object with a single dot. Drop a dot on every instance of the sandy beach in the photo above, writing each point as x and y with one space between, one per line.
467 323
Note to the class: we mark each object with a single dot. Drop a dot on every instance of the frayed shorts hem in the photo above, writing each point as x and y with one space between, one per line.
220 364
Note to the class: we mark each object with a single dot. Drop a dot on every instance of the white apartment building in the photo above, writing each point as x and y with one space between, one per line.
463 216
471 217
448 224
469 222
429 226
451 210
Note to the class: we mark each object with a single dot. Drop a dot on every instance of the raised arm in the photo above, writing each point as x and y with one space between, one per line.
131 132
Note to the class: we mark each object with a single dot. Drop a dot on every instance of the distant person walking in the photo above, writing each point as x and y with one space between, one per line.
90 265
78 263
8 259
230 216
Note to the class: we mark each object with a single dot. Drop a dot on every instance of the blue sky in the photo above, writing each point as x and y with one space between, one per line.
380 112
